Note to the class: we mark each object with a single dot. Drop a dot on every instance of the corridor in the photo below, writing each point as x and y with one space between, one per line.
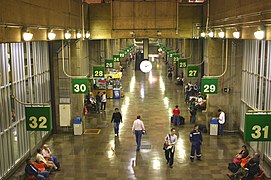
106 157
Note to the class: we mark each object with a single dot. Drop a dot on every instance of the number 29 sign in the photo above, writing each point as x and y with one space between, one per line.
209 85
257 127
38 118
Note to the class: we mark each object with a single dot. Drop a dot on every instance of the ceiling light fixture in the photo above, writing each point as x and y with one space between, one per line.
211 34
51 35
236 34
87 34
67 35
203 34
221 34
27 36
78 35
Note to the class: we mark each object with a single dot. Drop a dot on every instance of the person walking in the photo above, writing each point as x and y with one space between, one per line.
193 112
170 140
221 121
103 101
176 116
196 142
138 129
117 119
98 102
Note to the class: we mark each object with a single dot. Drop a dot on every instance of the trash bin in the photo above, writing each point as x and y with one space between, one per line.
77 126
116 93
213 127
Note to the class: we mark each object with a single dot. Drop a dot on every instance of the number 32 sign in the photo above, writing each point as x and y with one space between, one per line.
257 127
38 118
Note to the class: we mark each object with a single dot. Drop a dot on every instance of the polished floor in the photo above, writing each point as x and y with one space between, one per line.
106 157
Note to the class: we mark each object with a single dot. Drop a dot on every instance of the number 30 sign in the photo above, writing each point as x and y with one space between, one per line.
38 118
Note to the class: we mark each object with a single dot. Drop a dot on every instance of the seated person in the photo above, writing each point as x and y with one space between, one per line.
47 154
31 170
241 155
41 159
249 171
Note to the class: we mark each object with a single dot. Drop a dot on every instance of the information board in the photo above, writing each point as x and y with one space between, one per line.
38 118
79 85
209 85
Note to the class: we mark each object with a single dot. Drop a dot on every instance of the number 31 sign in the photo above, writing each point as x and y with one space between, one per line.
38 118
257 127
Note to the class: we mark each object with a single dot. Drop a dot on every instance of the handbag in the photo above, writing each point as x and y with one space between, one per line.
165 146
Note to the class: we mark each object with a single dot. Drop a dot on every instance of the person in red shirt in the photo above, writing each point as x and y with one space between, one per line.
176 116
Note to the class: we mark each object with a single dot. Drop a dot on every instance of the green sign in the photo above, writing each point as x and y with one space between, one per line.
38 118
127 50
192 71
209 85
98 71
176 57
109 63
182 63
257 127
79 86
116 58
171 54
122 54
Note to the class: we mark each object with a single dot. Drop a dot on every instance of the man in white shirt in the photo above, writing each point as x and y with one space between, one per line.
221 120
138 129
103 100
40 158
171 140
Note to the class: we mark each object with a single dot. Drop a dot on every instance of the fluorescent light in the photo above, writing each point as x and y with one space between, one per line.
27 36
203 34
67 35
78 35
259 34
87 35
221 34
51 36
211 34
236 34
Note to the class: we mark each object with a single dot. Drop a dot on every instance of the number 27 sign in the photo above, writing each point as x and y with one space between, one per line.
257 127
38 118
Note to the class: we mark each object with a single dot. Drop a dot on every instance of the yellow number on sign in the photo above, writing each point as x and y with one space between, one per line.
43 121
257 133
265 129
108 65
183 64
34 123
98 73
192 73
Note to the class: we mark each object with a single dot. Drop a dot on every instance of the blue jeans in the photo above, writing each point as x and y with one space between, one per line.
116 127
176 120
98 104
221 129
138 135
43 175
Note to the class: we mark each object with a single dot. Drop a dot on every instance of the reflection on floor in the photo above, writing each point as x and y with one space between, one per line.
106 157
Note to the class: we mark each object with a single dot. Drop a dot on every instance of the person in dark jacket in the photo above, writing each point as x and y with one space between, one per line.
98 102
31 170
117 118
196 141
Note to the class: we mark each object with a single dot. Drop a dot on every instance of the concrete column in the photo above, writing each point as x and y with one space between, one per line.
76 64
227 101
146 48
108 50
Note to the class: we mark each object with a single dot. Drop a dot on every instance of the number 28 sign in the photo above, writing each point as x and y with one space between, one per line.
38 118
257 127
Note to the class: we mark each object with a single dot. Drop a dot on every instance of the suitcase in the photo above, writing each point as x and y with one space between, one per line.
233 167
182 119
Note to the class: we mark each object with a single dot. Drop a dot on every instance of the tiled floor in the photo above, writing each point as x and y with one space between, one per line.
106 157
